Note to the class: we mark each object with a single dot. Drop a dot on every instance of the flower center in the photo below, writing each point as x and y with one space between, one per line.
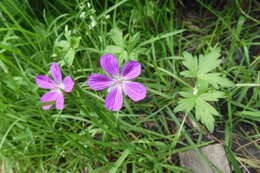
61 86
58 87
118 80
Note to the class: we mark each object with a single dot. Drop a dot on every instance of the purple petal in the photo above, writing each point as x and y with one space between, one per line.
109 64
44 82
46 107
56 72
60 101
49 96
114 99
99 82
68 84
131 70
134 90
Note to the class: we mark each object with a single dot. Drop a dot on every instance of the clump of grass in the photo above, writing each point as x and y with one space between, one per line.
143 137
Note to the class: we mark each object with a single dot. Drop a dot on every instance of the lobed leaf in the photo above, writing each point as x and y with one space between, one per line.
185 105
117 36
212 96
190 62
209 61
204 112
215 79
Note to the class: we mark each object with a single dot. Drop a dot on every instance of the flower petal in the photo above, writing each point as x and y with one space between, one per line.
134 90
44 82
60 101
131 70
56 72
109 64
46 107
68 84
114 99
49 96
99 82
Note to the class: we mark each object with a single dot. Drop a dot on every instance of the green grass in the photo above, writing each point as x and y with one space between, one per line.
144 136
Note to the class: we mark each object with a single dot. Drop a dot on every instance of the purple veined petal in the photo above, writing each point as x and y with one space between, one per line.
49 96
45 82
56 72
60 101
131 70
134 90
46 107
114 99
99 82
68 84
109 64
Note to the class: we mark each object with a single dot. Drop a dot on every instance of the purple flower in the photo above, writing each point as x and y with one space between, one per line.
118 82
56 87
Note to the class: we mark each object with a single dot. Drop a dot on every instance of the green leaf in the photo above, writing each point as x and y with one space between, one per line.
200 69
200 96
186 94
133 41
75 41
185 105
209 61
222 81
202 85
67 33
113 49
190 62
69 56
117 36
204 112
189 74
63 44
134 54
212 96
209 123
215 79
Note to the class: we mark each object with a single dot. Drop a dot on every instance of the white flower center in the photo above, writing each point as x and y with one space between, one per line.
61 86
118 80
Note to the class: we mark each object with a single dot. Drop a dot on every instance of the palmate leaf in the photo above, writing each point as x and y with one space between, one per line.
201 69
190 62
205 112
212 95
209 61
216 80
185 105
117 36
189 74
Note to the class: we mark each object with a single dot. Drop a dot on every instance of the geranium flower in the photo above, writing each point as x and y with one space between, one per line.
118 82
56 86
